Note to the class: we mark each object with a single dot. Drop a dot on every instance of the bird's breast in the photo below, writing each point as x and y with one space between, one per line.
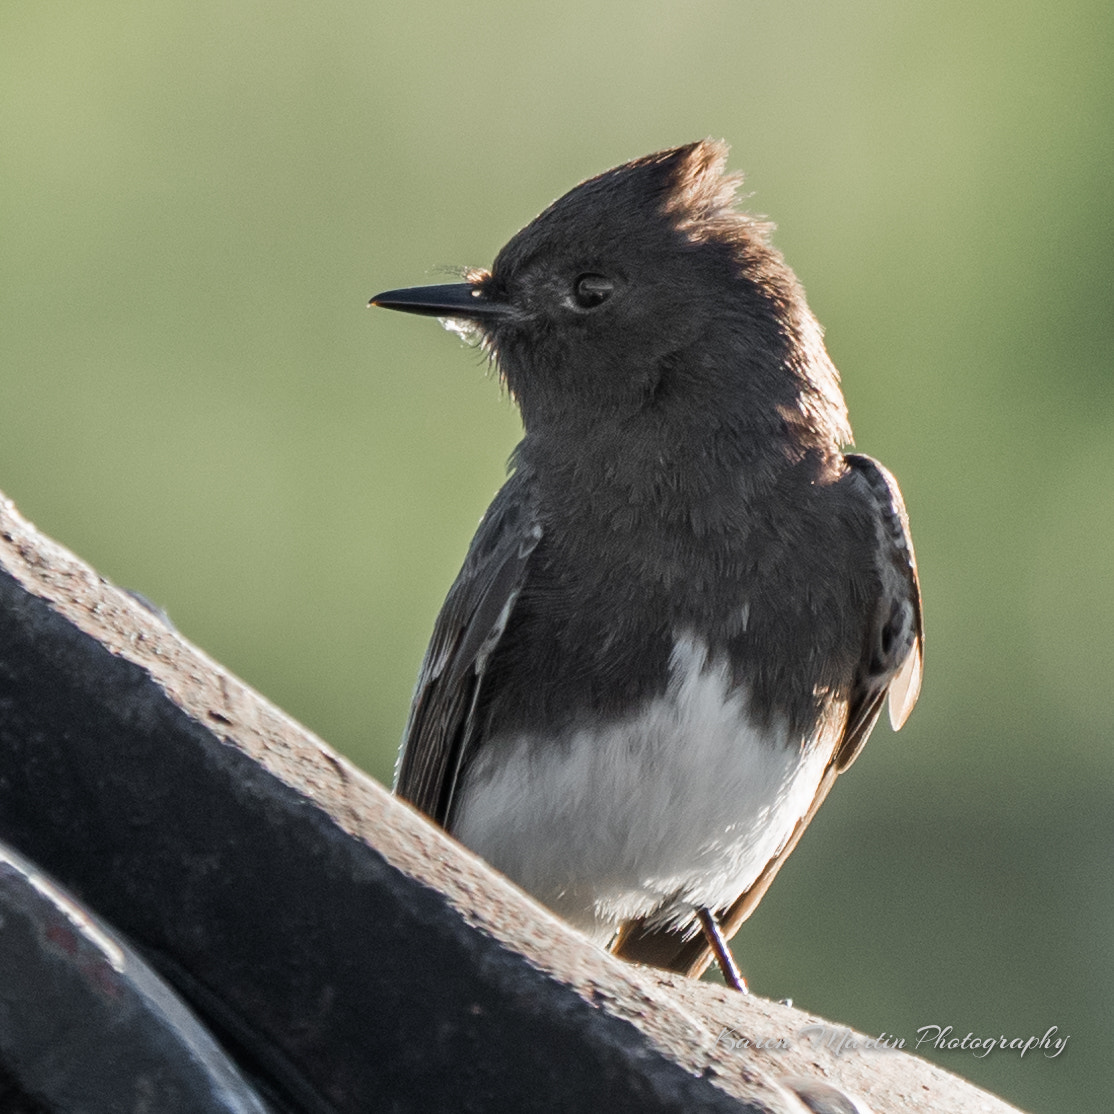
678 803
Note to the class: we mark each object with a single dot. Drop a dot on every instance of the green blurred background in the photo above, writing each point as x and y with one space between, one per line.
198 199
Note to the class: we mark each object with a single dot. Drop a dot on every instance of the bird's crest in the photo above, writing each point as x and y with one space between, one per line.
694 193
686 185
701 198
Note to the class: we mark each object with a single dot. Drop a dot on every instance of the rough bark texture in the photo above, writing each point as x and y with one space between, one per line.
344 950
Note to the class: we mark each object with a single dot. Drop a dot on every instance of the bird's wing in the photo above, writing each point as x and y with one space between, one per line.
890 664
892 659
472 620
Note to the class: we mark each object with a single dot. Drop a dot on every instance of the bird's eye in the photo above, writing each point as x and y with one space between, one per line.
591 290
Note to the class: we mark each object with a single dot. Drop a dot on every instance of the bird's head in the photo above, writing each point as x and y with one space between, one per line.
644 288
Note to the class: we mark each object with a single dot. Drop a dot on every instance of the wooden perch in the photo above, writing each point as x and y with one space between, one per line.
339 946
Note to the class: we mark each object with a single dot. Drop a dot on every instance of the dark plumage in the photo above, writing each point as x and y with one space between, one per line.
679 618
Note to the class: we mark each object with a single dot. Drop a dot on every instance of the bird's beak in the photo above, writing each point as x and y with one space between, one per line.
456 299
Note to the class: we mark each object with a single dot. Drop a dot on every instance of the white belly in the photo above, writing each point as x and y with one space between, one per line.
678 808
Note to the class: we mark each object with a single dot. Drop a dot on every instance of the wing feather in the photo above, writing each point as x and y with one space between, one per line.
442 727
892 658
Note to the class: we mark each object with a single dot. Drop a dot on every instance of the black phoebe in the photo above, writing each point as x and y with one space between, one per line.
678 620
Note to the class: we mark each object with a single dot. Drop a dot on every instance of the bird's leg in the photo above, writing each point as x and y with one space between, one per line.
731 973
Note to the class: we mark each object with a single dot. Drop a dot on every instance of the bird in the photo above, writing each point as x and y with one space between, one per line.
680 616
